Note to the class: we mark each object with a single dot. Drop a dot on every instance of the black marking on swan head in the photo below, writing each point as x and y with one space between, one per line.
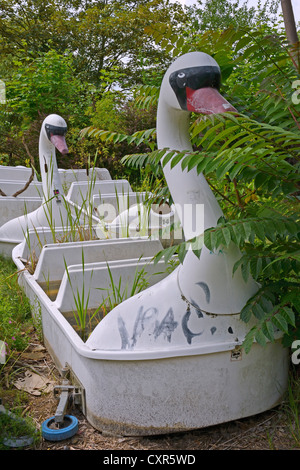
55 130
206 76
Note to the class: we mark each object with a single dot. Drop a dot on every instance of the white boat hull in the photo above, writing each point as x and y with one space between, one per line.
149 392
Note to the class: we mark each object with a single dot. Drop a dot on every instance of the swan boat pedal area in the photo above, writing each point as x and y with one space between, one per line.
169 358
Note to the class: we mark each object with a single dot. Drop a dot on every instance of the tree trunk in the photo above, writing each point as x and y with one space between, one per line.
289 21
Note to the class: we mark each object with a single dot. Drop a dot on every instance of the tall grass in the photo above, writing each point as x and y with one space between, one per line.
116 293
15 315
293 408
81 299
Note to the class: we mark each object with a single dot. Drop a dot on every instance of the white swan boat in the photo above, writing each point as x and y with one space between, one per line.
169 358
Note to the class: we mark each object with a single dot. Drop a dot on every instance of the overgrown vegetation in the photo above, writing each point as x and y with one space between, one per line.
15 316
251 161
16 328
103 74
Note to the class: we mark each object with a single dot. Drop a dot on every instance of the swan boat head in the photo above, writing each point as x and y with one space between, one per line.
52 138
192 83
55 128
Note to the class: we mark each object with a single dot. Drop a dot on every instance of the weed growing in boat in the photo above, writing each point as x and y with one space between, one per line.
74 224
82 315
32 260
71 216
116 293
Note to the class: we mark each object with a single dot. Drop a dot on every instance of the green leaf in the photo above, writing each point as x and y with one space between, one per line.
260 179
243 42
266 304
245 268
176 159
202 165
258 227
180 42
246 313
210 239
289 315
239 234
270 230
280 322
224 168
168 156
220 136
182 251
268 330
260 337
249 339
256 267
169 252
247 229
258 311
226 235
189 161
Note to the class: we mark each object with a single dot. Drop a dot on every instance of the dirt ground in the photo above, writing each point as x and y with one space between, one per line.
271 430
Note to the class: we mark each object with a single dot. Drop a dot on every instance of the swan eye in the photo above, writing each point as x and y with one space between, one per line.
181 79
